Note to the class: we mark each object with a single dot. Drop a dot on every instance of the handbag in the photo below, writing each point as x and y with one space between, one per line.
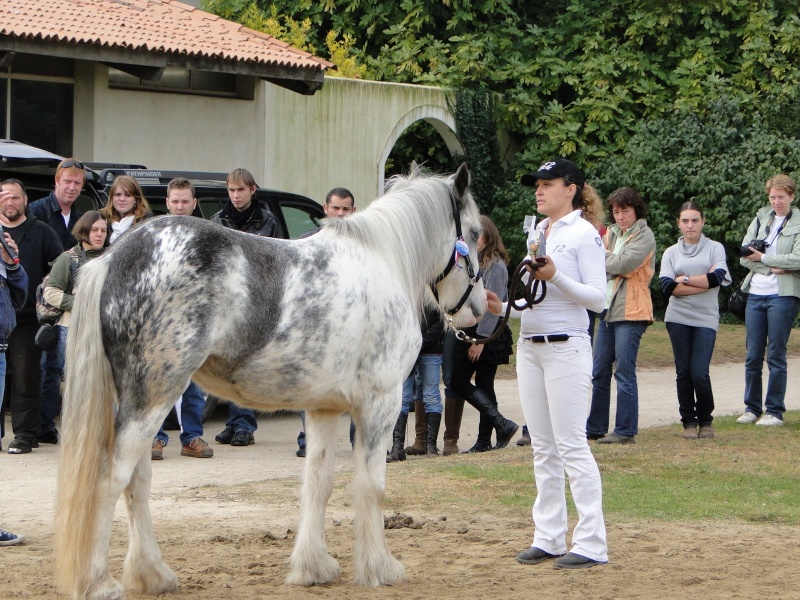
47 337
737 303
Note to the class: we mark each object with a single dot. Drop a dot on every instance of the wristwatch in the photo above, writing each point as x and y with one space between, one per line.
685 280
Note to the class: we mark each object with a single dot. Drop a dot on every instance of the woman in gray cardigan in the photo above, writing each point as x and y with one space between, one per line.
692 272
773 242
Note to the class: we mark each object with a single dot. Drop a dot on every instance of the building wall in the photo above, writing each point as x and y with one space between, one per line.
340 136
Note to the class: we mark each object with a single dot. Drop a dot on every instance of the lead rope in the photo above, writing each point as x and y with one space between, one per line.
529 300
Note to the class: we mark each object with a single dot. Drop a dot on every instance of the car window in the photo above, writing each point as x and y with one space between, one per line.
298 221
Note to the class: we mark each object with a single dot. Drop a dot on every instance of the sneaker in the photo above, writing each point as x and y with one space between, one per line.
616 438
10 539
747 417
19 446
769 421
49 437
242 438
157 450
197 448
225 436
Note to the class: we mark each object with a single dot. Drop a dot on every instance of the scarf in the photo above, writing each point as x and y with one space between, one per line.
120 227
239 218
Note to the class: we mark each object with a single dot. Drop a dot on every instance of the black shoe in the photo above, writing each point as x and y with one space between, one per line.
19 446
49 437
504 435
534 555
575 561
477 448
616 438
524 440
242 438
225 436
595 436
301 453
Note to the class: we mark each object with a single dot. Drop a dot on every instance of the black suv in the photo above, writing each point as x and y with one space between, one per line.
296 214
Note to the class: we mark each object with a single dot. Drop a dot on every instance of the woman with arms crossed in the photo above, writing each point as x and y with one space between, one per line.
692 272
554 369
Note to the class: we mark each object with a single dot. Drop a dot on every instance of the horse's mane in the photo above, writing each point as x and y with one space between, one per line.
405 226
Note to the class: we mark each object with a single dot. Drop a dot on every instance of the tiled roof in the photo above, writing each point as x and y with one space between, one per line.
160 26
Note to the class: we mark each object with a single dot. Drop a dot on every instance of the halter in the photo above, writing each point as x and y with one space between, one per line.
461 250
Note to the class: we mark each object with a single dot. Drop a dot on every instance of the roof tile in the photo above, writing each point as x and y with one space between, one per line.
147 25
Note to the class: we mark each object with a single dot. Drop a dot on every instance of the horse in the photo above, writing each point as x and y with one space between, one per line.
326 324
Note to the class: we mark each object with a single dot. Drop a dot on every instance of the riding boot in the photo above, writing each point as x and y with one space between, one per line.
398 439
505 429
418 448
453 410
433 420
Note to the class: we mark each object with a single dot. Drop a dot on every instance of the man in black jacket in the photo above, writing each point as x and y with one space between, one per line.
57 209
244 213
38 247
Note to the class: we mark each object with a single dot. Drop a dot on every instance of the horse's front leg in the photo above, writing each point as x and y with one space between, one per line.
144 570
310 562
374 563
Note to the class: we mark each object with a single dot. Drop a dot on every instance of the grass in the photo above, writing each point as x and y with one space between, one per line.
655 351
745 473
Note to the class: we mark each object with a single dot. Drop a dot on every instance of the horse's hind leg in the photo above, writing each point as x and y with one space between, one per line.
310 562
374 563
144 570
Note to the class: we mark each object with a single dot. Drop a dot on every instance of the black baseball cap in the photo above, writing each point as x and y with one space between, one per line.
555 169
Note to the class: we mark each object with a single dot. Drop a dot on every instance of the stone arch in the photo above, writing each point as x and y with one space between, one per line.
439 117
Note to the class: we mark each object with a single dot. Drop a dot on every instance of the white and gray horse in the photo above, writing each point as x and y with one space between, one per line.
327 324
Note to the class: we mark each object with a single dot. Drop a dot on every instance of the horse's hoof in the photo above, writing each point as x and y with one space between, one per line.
152 579
324 569
108 589
388 571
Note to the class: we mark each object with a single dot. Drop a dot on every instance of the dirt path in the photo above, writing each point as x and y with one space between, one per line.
225 525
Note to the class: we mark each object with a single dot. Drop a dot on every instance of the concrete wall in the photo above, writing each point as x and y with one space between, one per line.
341 136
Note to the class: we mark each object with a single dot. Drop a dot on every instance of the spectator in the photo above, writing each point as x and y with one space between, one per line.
126 206
58 210
181 201
692 272
38 247
774 287
91 231
554 361
426 372
478 359
630 264
339 203
243 213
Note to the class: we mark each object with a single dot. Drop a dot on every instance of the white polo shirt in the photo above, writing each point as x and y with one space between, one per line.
579 284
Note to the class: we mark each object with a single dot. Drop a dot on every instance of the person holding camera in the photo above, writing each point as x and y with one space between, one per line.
554 367
692 272
771 252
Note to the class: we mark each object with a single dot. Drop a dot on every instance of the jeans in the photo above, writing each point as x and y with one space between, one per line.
190 415
52 373
241 419
768 322
693 347
615 342
426 373
553 380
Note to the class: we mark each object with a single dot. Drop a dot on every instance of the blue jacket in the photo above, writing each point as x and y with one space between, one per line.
48 211
13 293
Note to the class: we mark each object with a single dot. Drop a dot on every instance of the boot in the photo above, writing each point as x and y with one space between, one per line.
398 439
505 429
484 441
420 427
453 410
433 420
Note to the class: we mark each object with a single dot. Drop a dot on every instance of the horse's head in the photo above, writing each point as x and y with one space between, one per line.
459 289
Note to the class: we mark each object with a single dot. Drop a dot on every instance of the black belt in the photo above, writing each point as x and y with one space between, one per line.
541 339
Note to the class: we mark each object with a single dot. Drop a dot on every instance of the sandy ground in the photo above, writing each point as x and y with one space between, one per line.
226 526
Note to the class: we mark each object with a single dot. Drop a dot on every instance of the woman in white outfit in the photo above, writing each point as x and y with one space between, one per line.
554 370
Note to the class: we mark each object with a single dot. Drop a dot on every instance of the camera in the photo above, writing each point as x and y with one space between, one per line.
760 245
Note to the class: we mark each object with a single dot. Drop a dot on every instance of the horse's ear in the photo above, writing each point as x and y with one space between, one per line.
412 168
462 178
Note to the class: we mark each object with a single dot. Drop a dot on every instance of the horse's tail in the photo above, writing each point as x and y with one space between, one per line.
87 433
